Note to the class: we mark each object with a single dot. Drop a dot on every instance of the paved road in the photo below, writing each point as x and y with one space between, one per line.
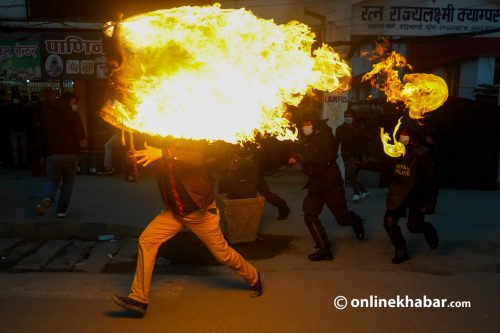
192 293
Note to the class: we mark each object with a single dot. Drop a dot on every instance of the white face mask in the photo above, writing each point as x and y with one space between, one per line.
348 120
404 139
307 130
74 107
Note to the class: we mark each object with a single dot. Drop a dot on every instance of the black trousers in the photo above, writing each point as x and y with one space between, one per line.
334 200
415 224
271 197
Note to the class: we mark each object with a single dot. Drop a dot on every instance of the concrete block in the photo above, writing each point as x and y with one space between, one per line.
42 256
8 243
240 217
128 253
72 255
20 251
50 230
102 253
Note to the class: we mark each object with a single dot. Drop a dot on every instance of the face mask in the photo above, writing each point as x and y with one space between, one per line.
16 100
307 130
404 139
348 120
74 107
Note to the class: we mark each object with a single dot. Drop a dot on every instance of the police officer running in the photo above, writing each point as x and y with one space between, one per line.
317 156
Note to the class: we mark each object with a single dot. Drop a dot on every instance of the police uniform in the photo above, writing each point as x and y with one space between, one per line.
317 157
413 186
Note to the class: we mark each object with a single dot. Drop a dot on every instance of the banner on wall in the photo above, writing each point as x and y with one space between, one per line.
336 103
72 56
431 17
20 60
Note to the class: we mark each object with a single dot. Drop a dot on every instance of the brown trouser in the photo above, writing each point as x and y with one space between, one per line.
205 225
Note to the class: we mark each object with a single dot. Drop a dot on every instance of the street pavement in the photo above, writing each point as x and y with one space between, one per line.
57 271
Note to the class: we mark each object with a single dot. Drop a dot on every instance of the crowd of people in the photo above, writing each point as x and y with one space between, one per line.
20 133
185 181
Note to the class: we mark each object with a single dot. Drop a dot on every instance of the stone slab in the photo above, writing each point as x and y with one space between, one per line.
8 243
20 251
102 253
73 254
128 253
42 256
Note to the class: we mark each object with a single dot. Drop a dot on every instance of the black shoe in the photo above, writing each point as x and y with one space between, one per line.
358 228
431 236
321 255
283 213
401 258
130 304
256 290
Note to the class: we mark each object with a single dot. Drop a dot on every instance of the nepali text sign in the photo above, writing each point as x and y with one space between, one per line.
19 60
391 18
73 56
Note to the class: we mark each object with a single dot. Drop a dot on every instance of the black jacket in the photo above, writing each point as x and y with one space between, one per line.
350 140
18 118
62 130
412 174
317 156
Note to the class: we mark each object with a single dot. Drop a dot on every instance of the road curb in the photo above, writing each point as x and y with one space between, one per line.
65 230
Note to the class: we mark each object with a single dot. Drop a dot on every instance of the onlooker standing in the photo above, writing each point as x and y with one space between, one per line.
350 137
18 121
5 147
112 142
63 135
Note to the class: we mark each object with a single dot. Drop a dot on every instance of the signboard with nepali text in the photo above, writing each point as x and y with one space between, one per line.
19 60
424 18
72 56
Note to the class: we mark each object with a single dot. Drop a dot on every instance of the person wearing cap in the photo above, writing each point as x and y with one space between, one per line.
413 186
317 156
350 138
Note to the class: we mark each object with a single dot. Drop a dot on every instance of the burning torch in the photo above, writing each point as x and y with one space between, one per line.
420 92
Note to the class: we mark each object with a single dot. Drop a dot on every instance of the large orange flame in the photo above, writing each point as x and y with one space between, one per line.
215 74
421 93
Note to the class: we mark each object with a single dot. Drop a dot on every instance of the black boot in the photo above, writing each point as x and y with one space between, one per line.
394 232
321 239
321 254
357 226
431 235
399 258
